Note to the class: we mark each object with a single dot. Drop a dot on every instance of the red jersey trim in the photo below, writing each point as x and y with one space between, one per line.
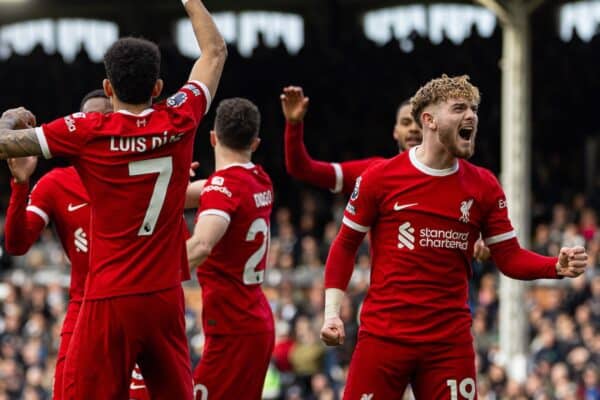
357 227
214 211
412 153
39 212
41 136
500 238
339 177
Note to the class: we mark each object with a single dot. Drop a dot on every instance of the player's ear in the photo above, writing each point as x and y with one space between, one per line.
255 143
108 90
213 138
428 120
158 87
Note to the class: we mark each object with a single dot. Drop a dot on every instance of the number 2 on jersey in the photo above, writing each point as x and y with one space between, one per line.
164 167
251 275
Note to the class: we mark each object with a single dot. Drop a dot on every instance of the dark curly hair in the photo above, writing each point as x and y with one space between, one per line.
132 67
237 123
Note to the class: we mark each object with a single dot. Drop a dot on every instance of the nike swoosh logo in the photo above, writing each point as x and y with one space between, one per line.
133 386
398 207
72 208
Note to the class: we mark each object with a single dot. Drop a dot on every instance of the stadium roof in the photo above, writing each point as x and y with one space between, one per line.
15 10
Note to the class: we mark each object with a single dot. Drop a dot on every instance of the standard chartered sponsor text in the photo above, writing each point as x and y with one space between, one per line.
443 239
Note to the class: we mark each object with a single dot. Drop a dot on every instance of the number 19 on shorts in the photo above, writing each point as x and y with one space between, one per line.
464 389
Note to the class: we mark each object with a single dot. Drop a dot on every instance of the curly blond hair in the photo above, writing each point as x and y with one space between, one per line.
443 89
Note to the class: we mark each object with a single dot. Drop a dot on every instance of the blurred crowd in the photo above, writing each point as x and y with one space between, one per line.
563 333
350 116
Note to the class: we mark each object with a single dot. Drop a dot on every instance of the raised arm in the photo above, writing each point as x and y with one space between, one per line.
14 140
298 162
337 177
209 66
22 228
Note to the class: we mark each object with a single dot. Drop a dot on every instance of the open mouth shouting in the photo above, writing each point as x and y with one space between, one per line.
466 132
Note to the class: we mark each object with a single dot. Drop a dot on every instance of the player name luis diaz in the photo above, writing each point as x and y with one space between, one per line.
140 144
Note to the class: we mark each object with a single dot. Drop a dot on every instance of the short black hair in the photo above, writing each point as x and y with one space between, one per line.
237 123
92 95
132 67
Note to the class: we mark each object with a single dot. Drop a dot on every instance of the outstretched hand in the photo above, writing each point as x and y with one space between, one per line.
21 117
294 104
22 168
572 261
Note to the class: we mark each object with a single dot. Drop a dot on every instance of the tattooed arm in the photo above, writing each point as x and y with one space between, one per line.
18 142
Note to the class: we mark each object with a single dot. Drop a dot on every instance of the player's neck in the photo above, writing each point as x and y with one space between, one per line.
435 156
132 108
225 157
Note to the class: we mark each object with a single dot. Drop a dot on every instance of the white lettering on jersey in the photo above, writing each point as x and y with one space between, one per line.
81 242
443 239
141 144
220 189
502 203
431 238
217 180
366 396
128 144
70 123
263 199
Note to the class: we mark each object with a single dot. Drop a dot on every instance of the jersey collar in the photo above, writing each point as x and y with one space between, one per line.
412 154
248 165
142 114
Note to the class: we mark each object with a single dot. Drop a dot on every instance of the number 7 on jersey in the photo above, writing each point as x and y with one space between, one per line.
164 167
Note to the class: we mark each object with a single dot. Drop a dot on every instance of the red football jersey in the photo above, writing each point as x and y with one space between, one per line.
424 223
135 169
60 197
232 298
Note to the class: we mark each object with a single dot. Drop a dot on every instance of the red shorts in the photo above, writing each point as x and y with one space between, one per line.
65 338
113 334
233 367
381 369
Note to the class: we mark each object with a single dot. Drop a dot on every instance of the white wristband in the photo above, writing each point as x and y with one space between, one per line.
333 302
184 2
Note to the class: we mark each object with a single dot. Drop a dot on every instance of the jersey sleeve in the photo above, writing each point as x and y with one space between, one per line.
496 225
64 136
220 196
348 171
24 223
301 166
362 206
189 105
